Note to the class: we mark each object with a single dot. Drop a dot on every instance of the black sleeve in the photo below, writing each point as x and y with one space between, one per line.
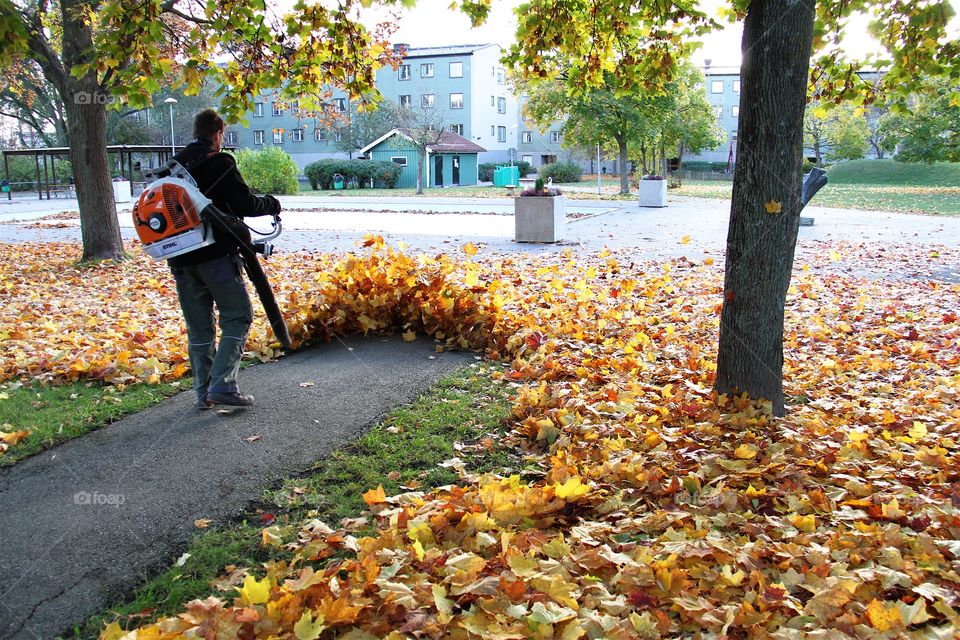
236 196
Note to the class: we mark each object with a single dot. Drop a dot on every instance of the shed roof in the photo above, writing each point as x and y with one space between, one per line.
449 142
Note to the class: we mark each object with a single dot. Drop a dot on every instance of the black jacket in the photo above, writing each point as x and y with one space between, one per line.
217 178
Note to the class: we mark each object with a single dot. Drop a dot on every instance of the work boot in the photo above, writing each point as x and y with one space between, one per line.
232 398
203 404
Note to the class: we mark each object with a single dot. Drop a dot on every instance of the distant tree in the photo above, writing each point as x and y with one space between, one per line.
882 135
689 126
363 127
847 132
421 128
27 97
930 132
814 136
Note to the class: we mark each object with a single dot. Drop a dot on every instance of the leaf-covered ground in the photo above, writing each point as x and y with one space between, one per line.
648 507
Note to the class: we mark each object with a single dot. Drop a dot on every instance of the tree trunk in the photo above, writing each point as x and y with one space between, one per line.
776 48
86 113
99 229
421 162
624 178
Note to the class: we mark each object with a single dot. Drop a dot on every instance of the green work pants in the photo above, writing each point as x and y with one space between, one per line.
201 287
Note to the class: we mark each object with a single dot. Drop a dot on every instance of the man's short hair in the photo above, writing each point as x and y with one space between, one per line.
207 123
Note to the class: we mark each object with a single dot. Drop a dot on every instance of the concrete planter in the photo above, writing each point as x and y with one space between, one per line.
539 218
653 193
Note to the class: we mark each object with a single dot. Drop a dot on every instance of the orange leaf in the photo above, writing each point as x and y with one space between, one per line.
375 496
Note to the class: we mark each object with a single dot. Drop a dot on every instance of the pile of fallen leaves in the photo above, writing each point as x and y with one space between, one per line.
648 506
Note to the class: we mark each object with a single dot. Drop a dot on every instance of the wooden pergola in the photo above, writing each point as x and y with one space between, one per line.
40 155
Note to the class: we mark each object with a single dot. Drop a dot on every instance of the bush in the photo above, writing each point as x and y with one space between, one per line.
704 166
23 172
384 173
271 170
562 172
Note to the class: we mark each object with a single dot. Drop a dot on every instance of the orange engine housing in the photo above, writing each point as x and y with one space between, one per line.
163 211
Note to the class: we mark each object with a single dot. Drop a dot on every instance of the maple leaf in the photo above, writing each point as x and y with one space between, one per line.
773 206
470 249
375 496
255 591
882 617
308 627
571 490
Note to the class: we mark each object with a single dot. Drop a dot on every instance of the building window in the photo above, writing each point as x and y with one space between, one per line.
258 109
555 137
456 101
340 104
231 138
426 101
457 129
278 136
501 105
258 137
527 159
404 72
500 76
426 70
733 136
337 137
736 86
526 136
298 135
319 135
278 108
400 160
493 130
456 69
501 134
493 100
718 112
716 86
405 101
735 112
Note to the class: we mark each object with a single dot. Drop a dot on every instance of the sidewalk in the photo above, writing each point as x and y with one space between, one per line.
84 522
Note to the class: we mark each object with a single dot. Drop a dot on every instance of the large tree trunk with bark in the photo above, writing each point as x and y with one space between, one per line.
99 228
761 240
85 103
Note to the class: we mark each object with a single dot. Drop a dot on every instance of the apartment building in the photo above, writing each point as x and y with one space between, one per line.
463 87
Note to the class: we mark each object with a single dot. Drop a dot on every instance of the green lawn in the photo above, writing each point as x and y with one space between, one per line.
875 185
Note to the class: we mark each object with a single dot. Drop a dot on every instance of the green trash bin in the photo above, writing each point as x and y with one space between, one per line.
338 181
4 186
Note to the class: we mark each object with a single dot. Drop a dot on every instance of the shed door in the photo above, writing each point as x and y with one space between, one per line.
438 170
456 170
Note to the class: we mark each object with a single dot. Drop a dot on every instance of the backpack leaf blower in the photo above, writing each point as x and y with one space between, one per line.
172 217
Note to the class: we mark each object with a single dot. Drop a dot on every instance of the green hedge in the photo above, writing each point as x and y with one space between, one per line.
271 170
384 173
562 172
23 172
703 165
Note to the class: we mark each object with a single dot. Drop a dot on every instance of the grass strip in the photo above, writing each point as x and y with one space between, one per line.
52 414
463 415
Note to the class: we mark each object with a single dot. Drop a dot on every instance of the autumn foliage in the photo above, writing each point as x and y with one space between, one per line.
647 507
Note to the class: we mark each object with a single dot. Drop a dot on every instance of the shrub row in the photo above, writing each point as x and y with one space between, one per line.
562 172
384 174
270 170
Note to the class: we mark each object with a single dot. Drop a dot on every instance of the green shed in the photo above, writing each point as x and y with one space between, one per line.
451 158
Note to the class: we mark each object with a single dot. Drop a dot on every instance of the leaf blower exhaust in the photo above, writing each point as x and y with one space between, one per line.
172 217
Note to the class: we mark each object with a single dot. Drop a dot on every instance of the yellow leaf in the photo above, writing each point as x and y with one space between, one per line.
834 256
409 335
881 617
746 451
773 206
255 591
202 523
112 631
918 430
418 549
571 489
685 240
470 249
807 524
375 496
308 628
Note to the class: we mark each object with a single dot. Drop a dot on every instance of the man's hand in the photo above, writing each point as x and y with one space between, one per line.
276 204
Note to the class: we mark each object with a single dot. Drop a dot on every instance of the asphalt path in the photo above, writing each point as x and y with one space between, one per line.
84 522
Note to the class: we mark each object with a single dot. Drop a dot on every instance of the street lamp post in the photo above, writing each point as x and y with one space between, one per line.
171 102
